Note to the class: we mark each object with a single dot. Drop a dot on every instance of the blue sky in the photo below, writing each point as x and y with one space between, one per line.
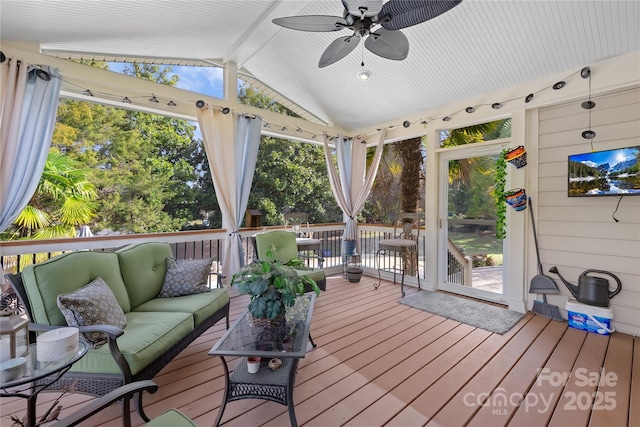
612 157
205 80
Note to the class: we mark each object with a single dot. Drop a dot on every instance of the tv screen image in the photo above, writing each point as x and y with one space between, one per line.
605 173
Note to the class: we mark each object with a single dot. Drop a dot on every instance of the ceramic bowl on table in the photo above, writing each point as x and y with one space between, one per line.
12 369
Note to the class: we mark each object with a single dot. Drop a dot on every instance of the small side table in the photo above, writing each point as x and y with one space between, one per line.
38 377
244 339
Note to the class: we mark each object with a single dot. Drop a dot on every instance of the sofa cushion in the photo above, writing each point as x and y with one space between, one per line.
93 304
186 277
147 336
143 267
202 306
66 273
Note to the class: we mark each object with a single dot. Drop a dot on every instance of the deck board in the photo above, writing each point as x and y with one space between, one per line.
380 363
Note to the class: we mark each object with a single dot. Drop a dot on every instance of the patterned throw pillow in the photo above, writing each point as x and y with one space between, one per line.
186 277
92 304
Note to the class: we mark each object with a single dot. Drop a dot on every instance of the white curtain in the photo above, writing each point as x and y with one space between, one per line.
231 142
29 102
353 186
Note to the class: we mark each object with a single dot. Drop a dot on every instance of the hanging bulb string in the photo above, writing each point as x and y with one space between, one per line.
314 135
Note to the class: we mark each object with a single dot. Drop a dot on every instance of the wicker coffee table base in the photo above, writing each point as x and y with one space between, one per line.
276 386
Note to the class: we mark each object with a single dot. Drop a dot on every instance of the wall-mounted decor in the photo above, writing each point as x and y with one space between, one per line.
516 198
605 173
517 157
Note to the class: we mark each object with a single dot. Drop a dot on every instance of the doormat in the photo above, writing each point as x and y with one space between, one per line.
485 316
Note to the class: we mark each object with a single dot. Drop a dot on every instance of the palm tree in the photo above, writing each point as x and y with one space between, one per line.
63 199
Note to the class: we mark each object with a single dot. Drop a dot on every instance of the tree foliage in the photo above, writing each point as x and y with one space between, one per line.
63 200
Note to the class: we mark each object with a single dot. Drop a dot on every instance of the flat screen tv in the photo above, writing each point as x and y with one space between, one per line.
605 173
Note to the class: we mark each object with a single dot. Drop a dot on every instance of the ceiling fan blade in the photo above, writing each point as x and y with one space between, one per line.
372 7
315 23
338 49
388 44
397 14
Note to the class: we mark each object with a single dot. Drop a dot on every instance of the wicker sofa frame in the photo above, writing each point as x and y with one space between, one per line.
100 384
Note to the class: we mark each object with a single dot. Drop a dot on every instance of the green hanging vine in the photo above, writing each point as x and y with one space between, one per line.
501 206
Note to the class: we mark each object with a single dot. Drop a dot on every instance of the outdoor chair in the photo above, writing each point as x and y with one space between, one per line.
171 417
280 245
403 244
298 222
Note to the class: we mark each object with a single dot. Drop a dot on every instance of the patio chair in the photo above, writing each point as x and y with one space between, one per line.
406 233
298 222
281 245
171 417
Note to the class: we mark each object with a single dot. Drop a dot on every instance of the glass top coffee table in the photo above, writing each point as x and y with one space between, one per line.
286 341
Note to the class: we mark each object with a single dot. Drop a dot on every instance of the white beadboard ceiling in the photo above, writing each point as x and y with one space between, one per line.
478 47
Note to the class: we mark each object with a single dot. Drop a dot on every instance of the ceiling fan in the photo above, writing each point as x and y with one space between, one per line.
363 18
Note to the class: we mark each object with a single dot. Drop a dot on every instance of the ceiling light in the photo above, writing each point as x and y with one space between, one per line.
266 125
585 72
446 118
588 134
225 110
469 110
406 123
126 100
587 105
496 105
559 85
528 98
87 92
153 99
42 74
200 103
364 75
171 104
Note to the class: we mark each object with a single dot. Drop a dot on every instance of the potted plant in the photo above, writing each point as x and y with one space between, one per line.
272 286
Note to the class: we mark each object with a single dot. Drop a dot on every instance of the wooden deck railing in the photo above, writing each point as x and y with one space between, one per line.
16 255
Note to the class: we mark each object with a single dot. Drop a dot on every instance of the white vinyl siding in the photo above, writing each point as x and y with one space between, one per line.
579 233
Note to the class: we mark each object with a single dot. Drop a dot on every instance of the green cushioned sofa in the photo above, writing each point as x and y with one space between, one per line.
157 329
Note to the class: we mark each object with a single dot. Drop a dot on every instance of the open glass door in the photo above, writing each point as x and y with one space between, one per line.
470 255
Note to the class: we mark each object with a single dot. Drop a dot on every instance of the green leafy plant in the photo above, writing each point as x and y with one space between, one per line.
272 286
501 207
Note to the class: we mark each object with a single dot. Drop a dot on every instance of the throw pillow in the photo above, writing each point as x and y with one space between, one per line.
92 304
186 277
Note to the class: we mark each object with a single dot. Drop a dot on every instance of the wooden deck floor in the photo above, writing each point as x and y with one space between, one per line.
382 363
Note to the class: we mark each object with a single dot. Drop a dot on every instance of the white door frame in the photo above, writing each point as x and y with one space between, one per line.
444 156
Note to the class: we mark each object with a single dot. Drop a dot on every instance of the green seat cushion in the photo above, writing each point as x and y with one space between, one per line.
316 274
147 336
201 305
67 273
143 267
171 418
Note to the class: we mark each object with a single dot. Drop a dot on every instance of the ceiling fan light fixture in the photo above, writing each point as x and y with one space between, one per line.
364 75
